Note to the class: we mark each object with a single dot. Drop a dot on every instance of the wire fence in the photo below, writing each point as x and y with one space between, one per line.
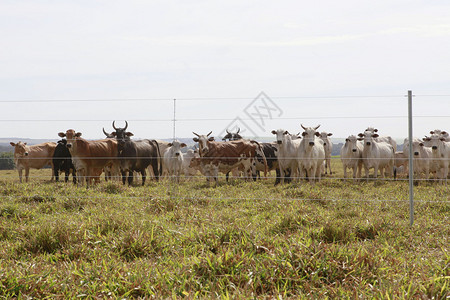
255 117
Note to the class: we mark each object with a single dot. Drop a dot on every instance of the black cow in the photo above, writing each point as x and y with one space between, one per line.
136 156
270 152
62 161
232 136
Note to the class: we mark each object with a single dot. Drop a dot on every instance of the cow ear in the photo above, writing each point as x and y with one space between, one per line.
183 145
62 134
129 134
444 132
376 130
13 144
114 133
330 134
431 132
195 140
170 144
317 134
78 134
375 135
421 144
286 132
360 139
360 135
347 140
303 133
274 132
211 139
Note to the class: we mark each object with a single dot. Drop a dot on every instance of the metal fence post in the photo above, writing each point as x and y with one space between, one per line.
411 165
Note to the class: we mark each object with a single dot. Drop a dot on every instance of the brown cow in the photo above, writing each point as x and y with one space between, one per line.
90 157
225 156
35 157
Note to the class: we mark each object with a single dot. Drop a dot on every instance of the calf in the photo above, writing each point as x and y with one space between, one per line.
173 159
33 157
377 155
62 161
189 171
351 156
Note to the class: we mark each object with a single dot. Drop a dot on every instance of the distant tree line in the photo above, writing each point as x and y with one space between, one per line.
7 161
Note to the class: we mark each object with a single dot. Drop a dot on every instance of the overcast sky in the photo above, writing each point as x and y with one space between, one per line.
343 64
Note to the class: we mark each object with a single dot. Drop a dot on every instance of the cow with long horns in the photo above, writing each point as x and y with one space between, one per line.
136 156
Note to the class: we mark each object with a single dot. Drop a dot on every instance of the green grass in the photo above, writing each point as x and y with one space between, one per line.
336 239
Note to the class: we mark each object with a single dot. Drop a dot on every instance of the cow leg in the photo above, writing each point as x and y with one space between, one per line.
66 177
130 177
144 176
329 166
20 173
124 177
27 174
74 176
56 173
277 176
155 169
227 175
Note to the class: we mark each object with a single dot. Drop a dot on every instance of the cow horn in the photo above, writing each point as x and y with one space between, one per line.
209 133
303 126
107 134
126 125
227 131
196 134
114 126
317 127
238 130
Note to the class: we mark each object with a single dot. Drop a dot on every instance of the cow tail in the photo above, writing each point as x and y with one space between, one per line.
159 158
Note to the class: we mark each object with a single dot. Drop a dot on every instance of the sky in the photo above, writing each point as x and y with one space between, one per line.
256 65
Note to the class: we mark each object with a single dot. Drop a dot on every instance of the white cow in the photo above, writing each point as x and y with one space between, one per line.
287 153
377 155
400 162
351 156
440 150
422 156
311 154
188 171
386 139
328 146
173 159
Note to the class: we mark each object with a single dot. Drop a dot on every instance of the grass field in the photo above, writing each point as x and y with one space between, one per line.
336 239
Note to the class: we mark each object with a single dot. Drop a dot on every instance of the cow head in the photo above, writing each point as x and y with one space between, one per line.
324 137
280 135
70 136
351 143
175 148
232 136
371 129
20 149
121 134
202 141
435 141
309 134
367 137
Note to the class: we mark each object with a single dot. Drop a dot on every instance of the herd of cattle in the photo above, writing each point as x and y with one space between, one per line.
306 155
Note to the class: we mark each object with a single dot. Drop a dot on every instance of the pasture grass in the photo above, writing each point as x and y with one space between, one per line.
335 239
